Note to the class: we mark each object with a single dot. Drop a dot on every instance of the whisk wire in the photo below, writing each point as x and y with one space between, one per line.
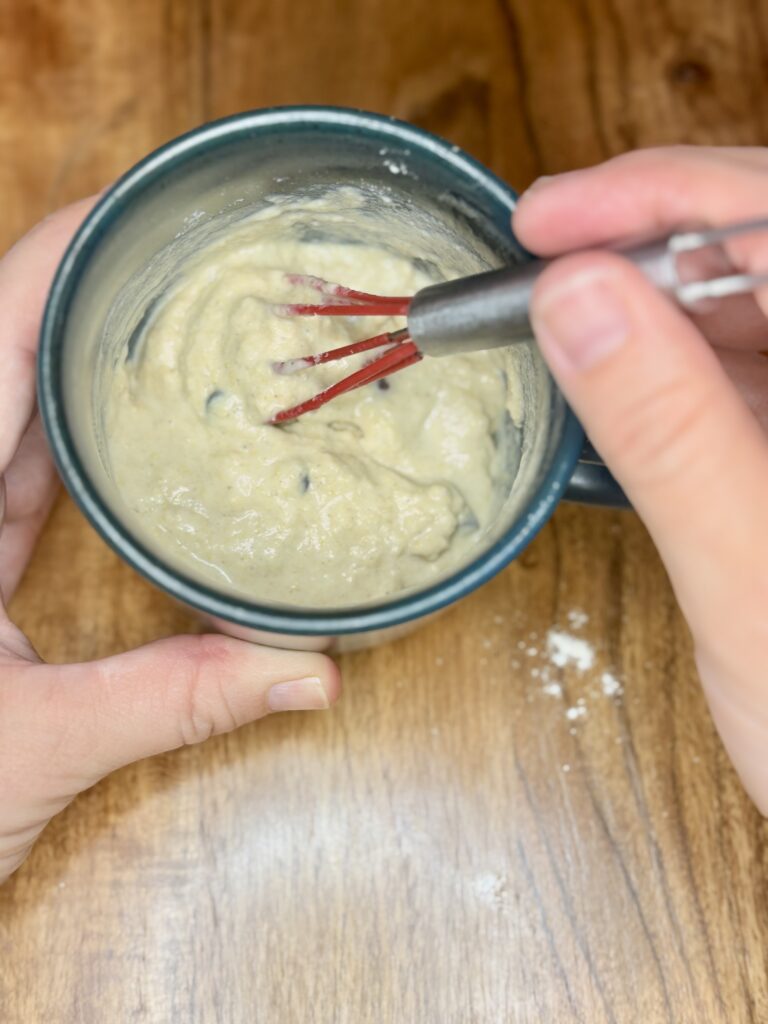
402 352
350 301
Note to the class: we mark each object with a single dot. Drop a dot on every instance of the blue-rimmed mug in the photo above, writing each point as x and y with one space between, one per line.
124 254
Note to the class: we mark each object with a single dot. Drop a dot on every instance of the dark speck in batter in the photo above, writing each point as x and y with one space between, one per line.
214 396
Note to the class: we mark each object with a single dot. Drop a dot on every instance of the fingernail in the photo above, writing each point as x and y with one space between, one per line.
298 695
582 320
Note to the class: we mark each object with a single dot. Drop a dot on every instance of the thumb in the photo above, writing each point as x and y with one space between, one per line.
660 409
691 457
93 718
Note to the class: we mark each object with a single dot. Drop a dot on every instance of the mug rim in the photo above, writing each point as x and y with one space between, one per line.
252 614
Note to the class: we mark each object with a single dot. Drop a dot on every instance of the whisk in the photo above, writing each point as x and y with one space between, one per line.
490 310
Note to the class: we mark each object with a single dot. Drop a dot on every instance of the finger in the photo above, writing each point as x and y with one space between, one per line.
658 405
748 371
31 486
649 193
642 193
735 322
692 458
26 272
93 718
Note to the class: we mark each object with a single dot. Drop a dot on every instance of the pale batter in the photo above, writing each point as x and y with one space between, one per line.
384 489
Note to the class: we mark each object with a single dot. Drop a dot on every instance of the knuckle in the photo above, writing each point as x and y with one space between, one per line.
215 649
205 709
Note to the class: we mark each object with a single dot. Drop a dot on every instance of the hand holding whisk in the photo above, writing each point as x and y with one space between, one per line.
490 310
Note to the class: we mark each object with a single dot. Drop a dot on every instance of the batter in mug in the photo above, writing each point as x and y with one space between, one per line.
383 490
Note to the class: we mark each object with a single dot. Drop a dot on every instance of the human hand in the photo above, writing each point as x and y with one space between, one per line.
659 404
63 727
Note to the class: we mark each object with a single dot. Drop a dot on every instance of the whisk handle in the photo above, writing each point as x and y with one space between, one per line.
490 310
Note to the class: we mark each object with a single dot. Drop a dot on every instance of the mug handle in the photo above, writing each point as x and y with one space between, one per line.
592 482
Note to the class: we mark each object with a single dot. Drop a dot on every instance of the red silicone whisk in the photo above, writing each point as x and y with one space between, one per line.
490 309
400 350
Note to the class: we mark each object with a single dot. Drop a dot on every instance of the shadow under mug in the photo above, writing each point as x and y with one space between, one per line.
114 271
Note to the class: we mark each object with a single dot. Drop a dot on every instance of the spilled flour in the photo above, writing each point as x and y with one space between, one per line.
611 685
563 650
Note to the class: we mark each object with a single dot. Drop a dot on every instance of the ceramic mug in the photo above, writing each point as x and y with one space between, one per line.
125 253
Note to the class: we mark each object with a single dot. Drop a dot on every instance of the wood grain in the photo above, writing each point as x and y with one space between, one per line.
447 845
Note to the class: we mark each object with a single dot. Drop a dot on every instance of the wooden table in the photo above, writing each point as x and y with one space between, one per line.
450 844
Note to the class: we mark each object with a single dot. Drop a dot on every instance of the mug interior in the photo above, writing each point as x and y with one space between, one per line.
418 197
